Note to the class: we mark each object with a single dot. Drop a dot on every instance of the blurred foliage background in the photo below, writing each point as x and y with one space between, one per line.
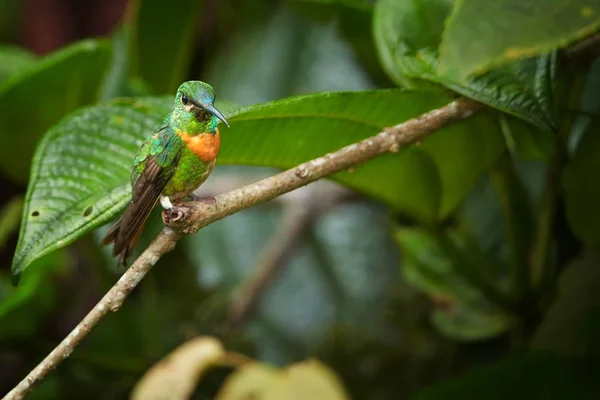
475 276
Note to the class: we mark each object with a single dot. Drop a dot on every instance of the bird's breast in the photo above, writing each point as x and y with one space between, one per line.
204 145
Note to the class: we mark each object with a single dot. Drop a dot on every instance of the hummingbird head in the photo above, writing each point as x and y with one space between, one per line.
194 111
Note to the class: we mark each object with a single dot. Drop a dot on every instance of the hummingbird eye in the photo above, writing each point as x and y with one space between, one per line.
184 100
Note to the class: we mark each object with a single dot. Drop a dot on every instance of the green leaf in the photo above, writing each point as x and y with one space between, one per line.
80 175
582 189
13 59
477 154
407 35
164 51
531 376
81 170
507 30
34 99
462 310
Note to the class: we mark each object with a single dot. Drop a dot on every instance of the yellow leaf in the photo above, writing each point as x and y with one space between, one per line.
306 380
176 376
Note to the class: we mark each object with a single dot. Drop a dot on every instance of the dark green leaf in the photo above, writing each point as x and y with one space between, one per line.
408 33
13 59
22 308
165 40
531 376
34 99
506 30
462 310
582 189
572 321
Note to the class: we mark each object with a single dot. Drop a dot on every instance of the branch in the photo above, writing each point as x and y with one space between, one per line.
189 217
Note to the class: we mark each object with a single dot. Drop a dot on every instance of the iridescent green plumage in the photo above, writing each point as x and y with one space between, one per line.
171 163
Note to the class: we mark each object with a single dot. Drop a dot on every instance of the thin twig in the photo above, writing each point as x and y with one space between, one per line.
190 217
272 259
298 216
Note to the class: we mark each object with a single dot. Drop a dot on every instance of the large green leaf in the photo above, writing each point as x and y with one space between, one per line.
164 40
13 59
81 170
408 33
34 99
582 189
80 175
506 30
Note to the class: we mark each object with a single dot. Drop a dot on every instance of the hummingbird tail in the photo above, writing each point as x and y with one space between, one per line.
126 232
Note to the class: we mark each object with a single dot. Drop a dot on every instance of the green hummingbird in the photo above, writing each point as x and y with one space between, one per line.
171 163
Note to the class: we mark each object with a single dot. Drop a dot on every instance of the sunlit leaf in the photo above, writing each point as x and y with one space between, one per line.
309 379
176 376
80 175
510 29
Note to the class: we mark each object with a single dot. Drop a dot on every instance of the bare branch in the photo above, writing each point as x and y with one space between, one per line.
298 216
190 217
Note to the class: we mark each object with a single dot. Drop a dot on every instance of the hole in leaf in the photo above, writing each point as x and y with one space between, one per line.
35 213
88 211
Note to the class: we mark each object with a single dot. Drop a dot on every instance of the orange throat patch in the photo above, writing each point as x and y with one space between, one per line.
204 145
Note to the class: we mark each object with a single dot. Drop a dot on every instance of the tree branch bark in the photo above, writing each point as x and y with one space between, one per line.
188 218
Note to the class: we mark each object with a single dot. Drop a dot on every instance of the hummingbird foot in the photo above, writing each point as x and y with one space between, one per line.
174 215
165 202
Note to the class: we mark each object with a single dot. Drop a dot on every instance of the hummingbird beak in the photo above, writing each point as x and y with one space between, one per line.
211 109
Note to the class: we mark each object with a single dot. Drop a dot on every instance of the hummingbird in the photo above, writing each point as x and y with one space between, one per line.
171 163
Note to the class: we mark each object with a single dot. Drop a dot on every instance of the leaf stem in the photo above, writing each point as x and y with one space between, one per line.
517 212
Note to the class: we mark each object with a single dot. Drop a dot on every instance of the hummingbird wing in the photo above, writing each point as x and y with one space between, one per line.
153 169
